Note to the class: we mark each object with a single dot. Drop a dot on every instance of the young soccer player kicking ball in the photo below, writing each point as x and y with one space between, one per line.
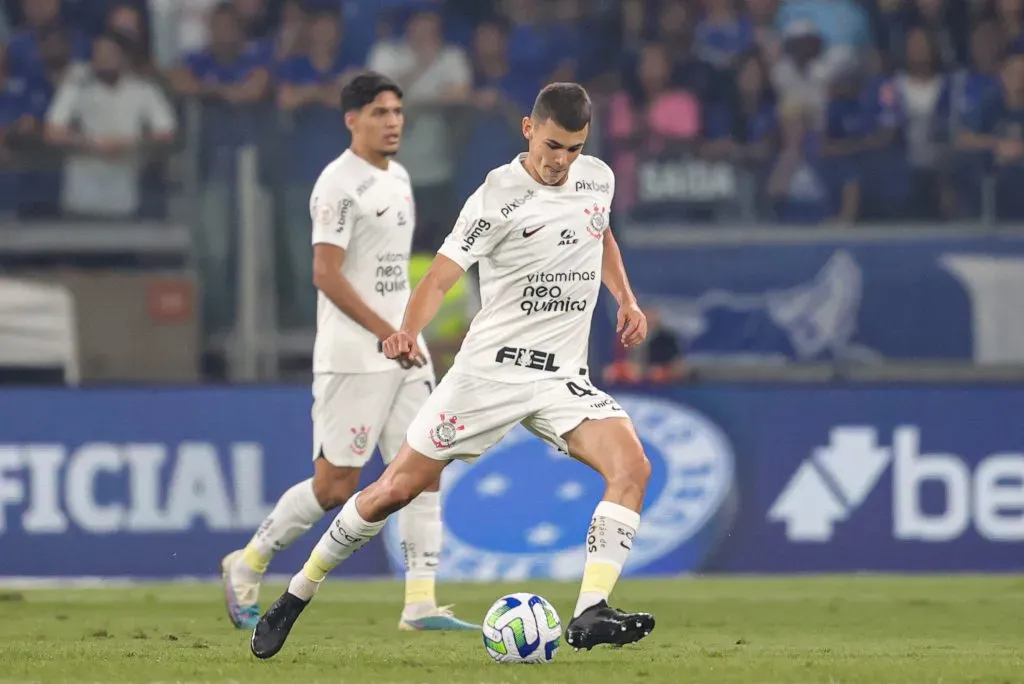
538 227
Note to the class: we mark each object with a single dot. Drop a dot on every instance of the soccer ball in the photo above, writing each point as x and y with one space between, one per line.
522 628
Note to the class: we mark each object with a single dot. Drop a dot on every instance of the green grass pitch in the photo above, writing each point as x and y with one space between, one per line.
819 630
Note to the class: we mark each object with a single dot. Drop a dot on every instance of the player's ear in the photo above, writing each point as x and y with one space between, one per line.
350 120
527 127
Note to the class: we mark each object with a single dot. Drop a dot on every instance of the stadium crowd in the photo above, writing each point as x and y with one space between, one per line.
815 112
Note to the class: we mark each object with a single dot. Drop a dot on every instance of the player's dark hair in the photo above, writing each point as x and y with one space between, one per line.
364 89
226 7
567 104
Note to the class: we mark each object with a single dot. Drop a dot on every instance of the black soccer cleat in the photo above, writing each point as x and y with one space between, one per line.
602 624
272 630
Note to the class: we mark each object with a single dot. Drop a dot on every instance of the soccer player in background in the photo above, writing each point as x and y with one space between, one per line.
363 216
538 227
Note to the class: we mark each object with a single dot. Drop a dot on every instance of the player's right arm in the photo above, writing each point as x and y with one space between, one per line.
473 237
335 216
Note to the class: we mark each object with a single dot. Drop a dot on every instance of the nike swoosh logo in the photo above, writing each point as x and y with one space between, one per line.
528 233
382 211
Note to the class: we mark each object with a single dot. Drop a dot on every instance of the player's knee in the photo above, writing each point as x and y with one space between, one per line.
631 472
332 485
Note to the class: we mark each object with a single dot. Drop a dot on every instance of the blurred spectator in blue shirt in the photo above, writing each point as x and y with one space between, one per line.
803 186
494 82
996 130
968 88
743 130
310 89
24 60
229 71
722 35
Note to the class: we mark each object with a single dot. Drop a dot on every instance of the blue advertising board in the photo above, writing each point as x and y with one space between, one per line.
162 482
941 297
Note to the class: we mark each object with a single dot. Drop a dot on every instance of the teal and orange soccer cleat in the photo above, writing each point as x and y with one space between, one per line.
440 620
240 594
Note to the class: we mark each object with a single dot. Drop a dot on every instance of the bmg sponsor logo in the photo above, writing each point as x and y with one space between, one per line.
514 204
473 233
543 292
391 276
832 484
343 208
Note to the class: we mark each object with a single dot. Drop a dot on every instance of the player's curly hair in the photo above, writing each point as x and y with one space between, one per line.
567 104
364 89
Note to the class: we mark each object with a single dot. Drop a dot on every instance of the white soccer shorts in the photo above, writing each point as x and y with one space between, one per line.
353 412
467 415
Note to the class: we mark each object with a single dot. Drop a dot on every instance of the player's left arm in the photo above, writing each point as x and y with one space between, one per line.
631 323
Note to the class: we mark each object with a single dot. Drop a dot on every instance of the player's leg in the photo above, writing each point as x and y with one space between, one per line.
460 419
420 524
593 429
344 436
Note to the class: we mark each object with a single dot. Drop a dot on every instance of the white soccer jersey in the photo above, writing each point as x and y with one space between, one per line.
540 249
369 213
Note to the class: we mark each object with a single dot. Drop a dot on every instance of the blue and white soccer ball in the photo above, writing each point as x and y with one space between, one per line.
522 628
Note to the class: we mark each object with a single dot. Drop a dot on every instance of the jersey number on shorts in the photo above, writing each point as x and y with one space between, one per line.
579 391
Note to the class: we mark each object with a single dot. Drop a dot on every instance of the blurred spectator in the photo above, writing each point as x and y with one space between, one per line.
256 24
228 70
105 121
842 26
996 129
968 87
527 45
24 61
905 182
766 36
432 74
803 186
290 38
656 121
722 35
743 129
230 78
310 91
1010 16
802 73
180 27
127 21
565 38
947 28
39 183
494 83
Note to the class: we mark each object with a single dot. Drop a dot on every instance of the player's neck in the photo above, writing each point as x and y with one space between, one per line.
376 159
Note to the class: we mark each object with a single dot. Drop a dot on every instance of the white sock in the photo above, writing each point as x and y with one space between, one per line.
296 511
420 528
609 541
346 535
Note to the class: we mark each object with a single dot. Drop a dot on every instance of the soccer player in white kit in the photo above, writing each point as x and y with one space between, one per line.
538 228
362 214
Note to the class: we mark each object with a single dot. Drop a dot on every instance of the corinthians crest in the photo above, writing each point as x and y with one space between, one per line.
598 220
444 433
360 440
